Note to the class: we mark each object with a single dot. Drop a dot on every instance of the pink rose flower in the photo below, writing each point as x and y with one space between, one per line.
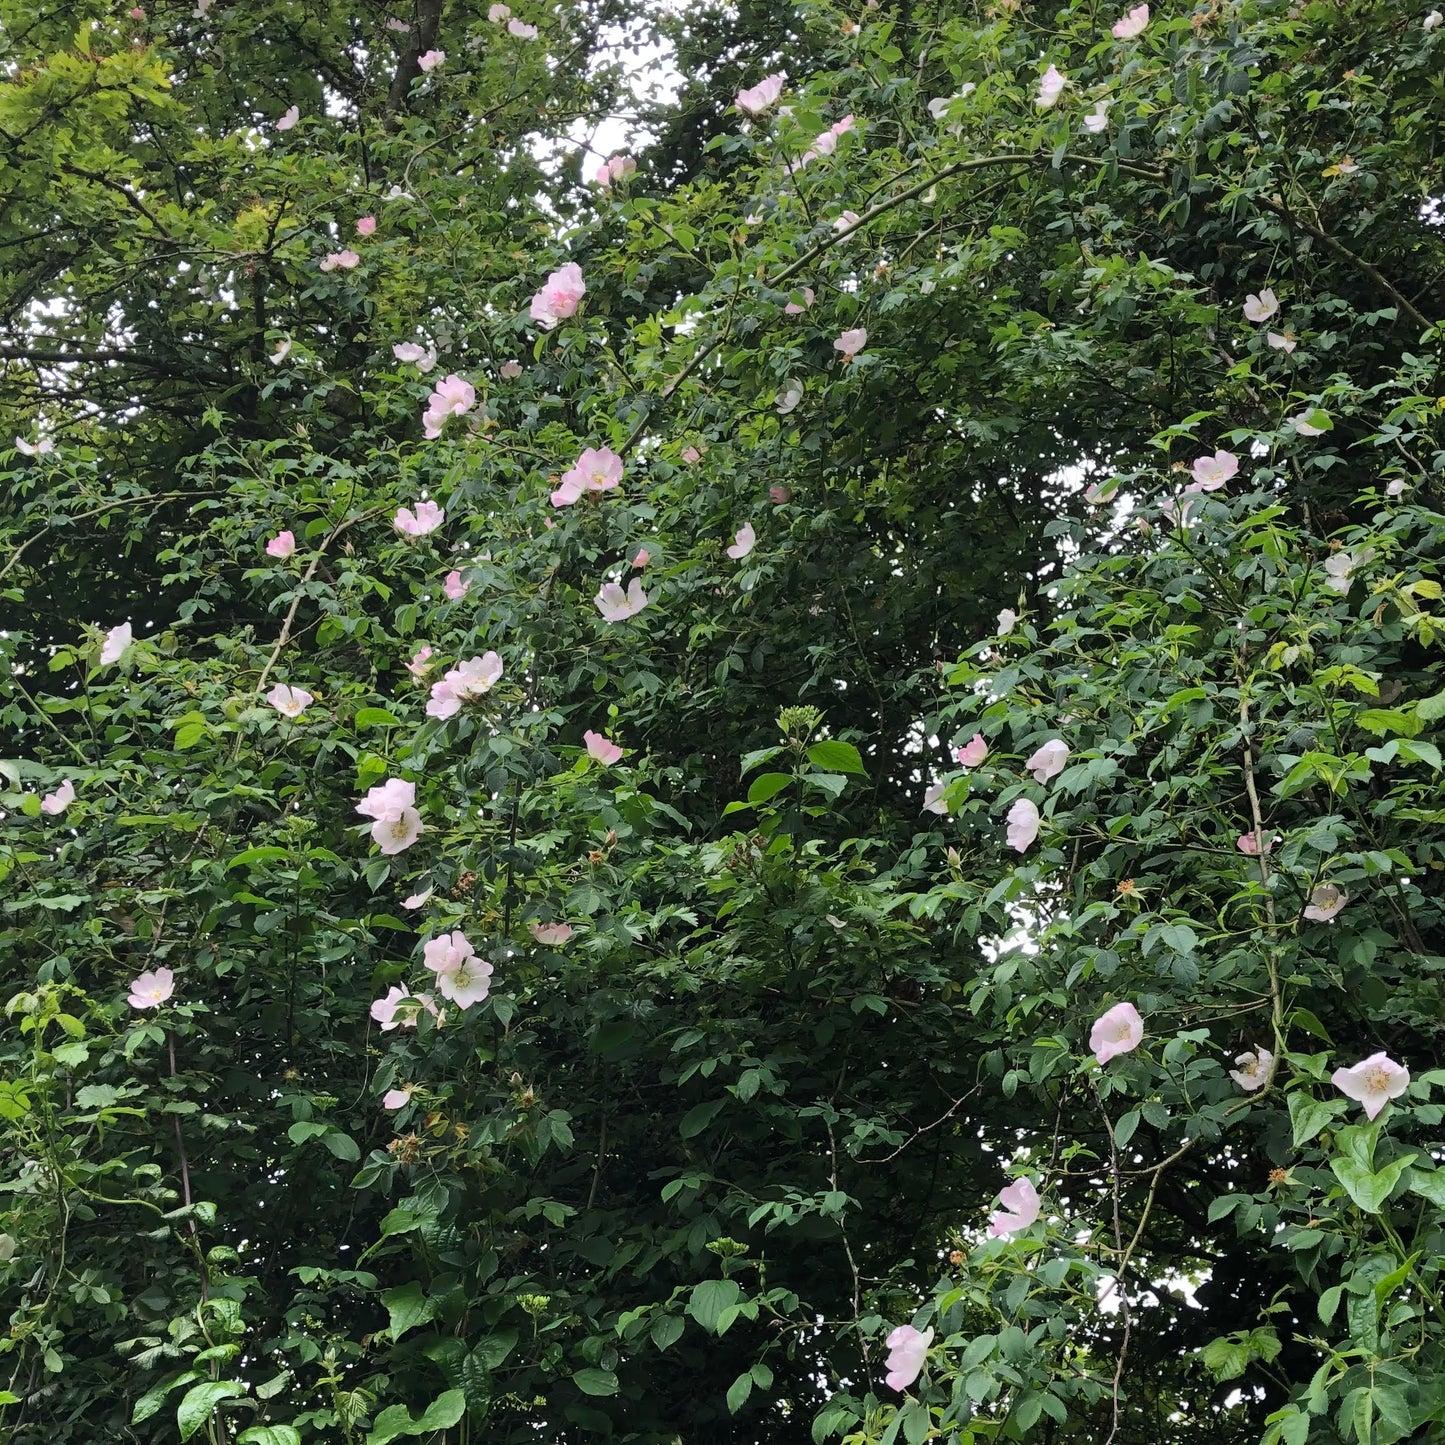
617 606
1020 1202
744 542
282 545
559 297
152 988
907 1350
1118 1031
760 97
427 518
1372 1082
972 753
54 804
602 748
1131 24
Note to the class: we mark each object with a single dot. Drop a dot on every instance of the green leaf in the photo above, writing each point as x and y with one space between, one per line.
96 1096
375 717
187 737
766 786
699 1117
738 1393
395 1420
710 1298
1369 1190
666 1330
407 1307
200 1402
343 1146
269 1435
155 1397
835 757
1429 1185
1309 1115
595 1382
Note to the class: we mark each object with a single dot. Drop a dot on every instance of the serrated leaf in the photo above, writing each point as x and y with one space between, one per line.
738 1393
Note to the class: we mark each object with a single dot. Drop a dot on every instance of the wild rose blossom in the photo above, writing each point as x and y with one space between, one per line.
1007 621
1131 24
427 518
1249 843
1051 87
972 753
462 977
907 1350
282 545
116 643
39 449
345 260
510 370
1262 306
401 1009
289 118
499 14
598 469
1325 901
1021 1206
397 823
467 680
452 396
789 397
1372 1082
289 701
424 358
1117 1031
760 97
1281 341
521 30
432 60
1211 473
850 343
1048 761
365 225
1023 825
455 586
617 606
1253 1069
560 297
614 169
395 1099
602 748
795 308
152 988
282 351
744 542
934 800
54 804
418 665
550 935
1097 120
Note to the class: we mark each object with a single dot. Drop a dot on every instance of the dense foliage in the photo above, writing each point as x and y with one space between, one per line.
787 794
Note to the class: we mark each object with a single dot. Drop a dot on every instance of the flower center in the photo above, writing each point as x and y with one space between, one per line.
1377 1081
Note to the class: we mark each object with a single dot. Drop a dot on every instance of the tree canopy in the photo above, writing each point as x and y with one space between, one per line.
779 785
